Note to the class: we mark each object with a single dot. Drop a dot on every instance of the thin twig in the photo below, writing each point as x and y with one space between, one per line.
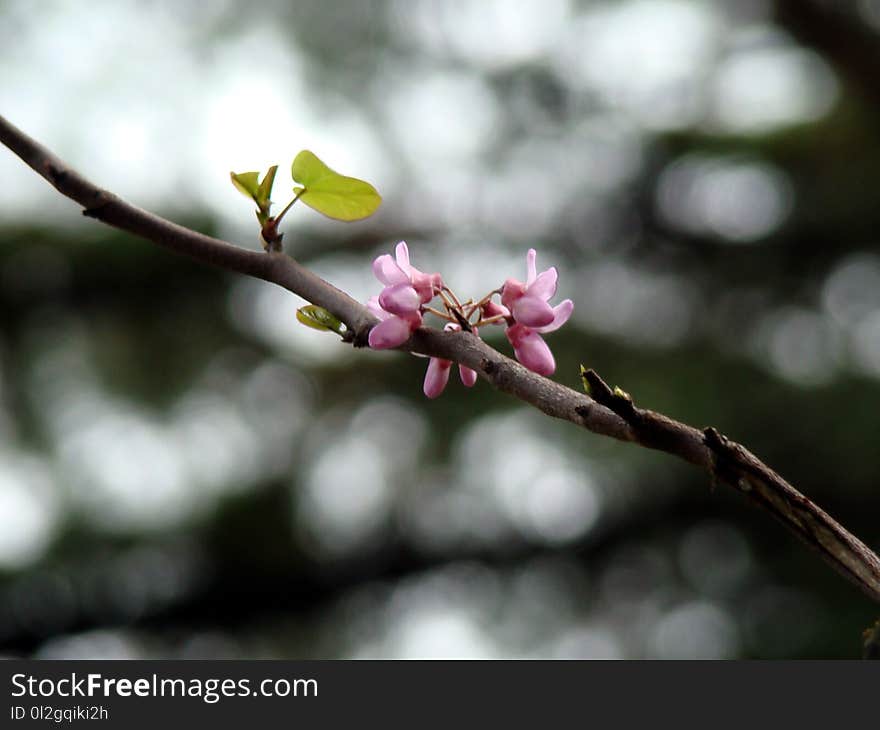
608 412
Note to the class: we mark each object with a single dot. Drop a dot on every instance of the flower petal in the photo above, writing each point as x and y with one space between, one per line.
425 284
468 376
531 350
561 313
400 299
401 253
388 272
491 309
436 377
532 311
375 308
392 332
531 268
511 291
544 286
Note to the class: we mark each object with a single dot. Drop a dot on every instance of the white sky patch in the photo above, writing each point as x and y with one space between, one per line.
346 495
851 292
355 468
101 644
218 448
440 633
441 613
493 34
587 642
507 483
540 175
648 307
441 118
799 345
645 58
866 344
125 468
30 509
696 630
737 200
505 463
766 83
124 473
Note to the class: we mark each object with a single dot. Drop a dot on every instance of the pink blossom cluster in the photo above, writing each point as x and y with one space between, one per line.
524 310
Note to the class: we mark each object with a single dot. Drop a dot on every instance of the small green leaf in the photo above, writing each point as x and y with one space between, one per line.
586 383
331 194
264 192
621 393
319 318
247 183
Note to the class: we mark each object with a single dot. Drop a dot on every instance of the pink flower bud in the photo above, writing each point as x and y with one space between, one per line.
394 331
490 309
468 376
400 299
436 377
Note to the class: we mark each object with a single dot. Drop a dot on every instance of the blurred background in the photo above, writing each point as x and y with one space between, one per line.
187 472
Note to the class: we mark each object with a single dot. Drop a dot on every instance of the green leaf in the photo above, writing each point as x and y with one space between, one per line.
331 194
309 170
246 183
319 318
264 192
586 383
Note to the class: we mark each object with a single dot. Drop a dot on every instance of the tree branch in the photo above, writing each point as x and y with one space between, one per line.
607 413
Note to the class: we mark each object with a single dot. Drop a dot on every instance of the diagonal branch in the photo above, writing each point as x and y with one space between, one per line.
608 413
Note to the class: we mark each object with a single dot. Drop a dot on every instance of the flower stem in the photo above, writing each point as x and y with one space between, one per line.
288 206
490 320
442 315
452 294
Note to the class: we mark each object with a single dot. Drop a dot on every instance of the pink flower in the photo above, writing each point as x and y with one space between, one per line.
524 310
392 330
400 302
400 299
398 276
528 302
437 375
528 345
